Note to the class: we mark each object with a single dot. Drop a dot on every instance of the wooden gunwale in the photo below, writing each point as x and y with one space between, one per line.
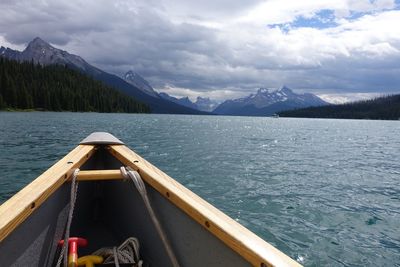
251 247
15 210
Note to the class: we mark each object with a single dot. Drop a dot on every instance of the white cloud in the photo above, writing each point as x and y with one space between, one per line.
5 43
286 11
199 48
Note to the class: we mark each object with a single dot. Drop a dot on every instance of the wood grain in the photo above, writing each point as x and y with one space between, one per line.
97 175
251 247
15 210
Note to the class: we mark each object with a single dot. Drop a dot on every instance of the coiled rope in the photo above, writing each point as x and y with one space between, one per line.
74 191
140 186
127 252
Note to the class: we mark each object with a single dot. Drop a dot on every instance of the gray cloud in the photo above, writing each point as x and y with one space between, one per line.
205 46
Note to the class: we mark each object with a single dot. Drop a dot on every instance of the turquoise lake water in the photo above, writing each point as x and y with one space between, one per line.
326 192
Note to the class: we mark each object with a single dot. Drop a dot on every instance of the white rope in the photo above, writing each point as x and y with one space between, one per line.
115 257
74 191
127 252
140 186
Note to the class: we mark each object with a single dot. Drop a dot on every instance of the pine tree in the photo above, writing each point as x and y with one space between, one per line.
2 103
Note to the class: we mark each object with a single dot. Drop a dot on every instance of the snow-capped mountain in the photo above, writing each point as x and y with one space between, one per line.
266 103
138 81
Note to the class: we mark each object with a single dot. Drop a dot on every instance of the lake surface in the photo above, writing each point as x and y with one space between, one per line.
326 192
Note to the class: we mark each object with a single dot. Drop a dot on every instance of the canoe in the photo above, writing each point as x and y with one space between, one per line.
173 226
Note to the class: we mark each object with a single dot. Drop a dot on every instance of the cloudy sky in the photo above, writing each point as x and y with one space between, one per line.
339 49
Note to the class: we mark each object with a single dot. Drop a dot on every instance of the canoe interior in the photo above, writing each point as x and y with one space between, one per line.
107 213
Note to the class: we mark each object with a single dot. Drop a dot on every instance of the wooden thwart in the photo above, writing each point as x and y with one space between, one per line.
99 175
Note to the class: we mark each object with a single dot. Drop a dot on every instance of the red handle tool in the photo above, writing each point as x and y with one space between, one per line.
73 244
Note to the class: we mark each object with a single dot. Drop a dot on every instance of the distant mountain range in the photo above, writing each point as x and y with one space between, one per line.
201 103
267 103
262 103
41 52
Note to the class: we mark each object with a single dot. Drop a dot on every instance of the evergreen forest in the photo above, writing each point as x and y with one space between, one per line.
381 108
25 85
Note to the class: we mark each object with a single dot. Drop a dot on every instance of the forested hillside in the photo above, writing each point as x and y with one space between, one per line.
57 88
382 108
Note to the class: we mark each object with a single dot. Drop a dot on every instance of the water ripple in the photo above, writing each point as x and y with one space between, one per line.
326 192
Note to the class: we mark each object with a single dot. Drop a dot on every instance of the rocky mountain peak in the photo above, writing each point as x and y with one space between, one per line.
265 102
138 81
37 44
130 75
286 90
43 53
263 91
